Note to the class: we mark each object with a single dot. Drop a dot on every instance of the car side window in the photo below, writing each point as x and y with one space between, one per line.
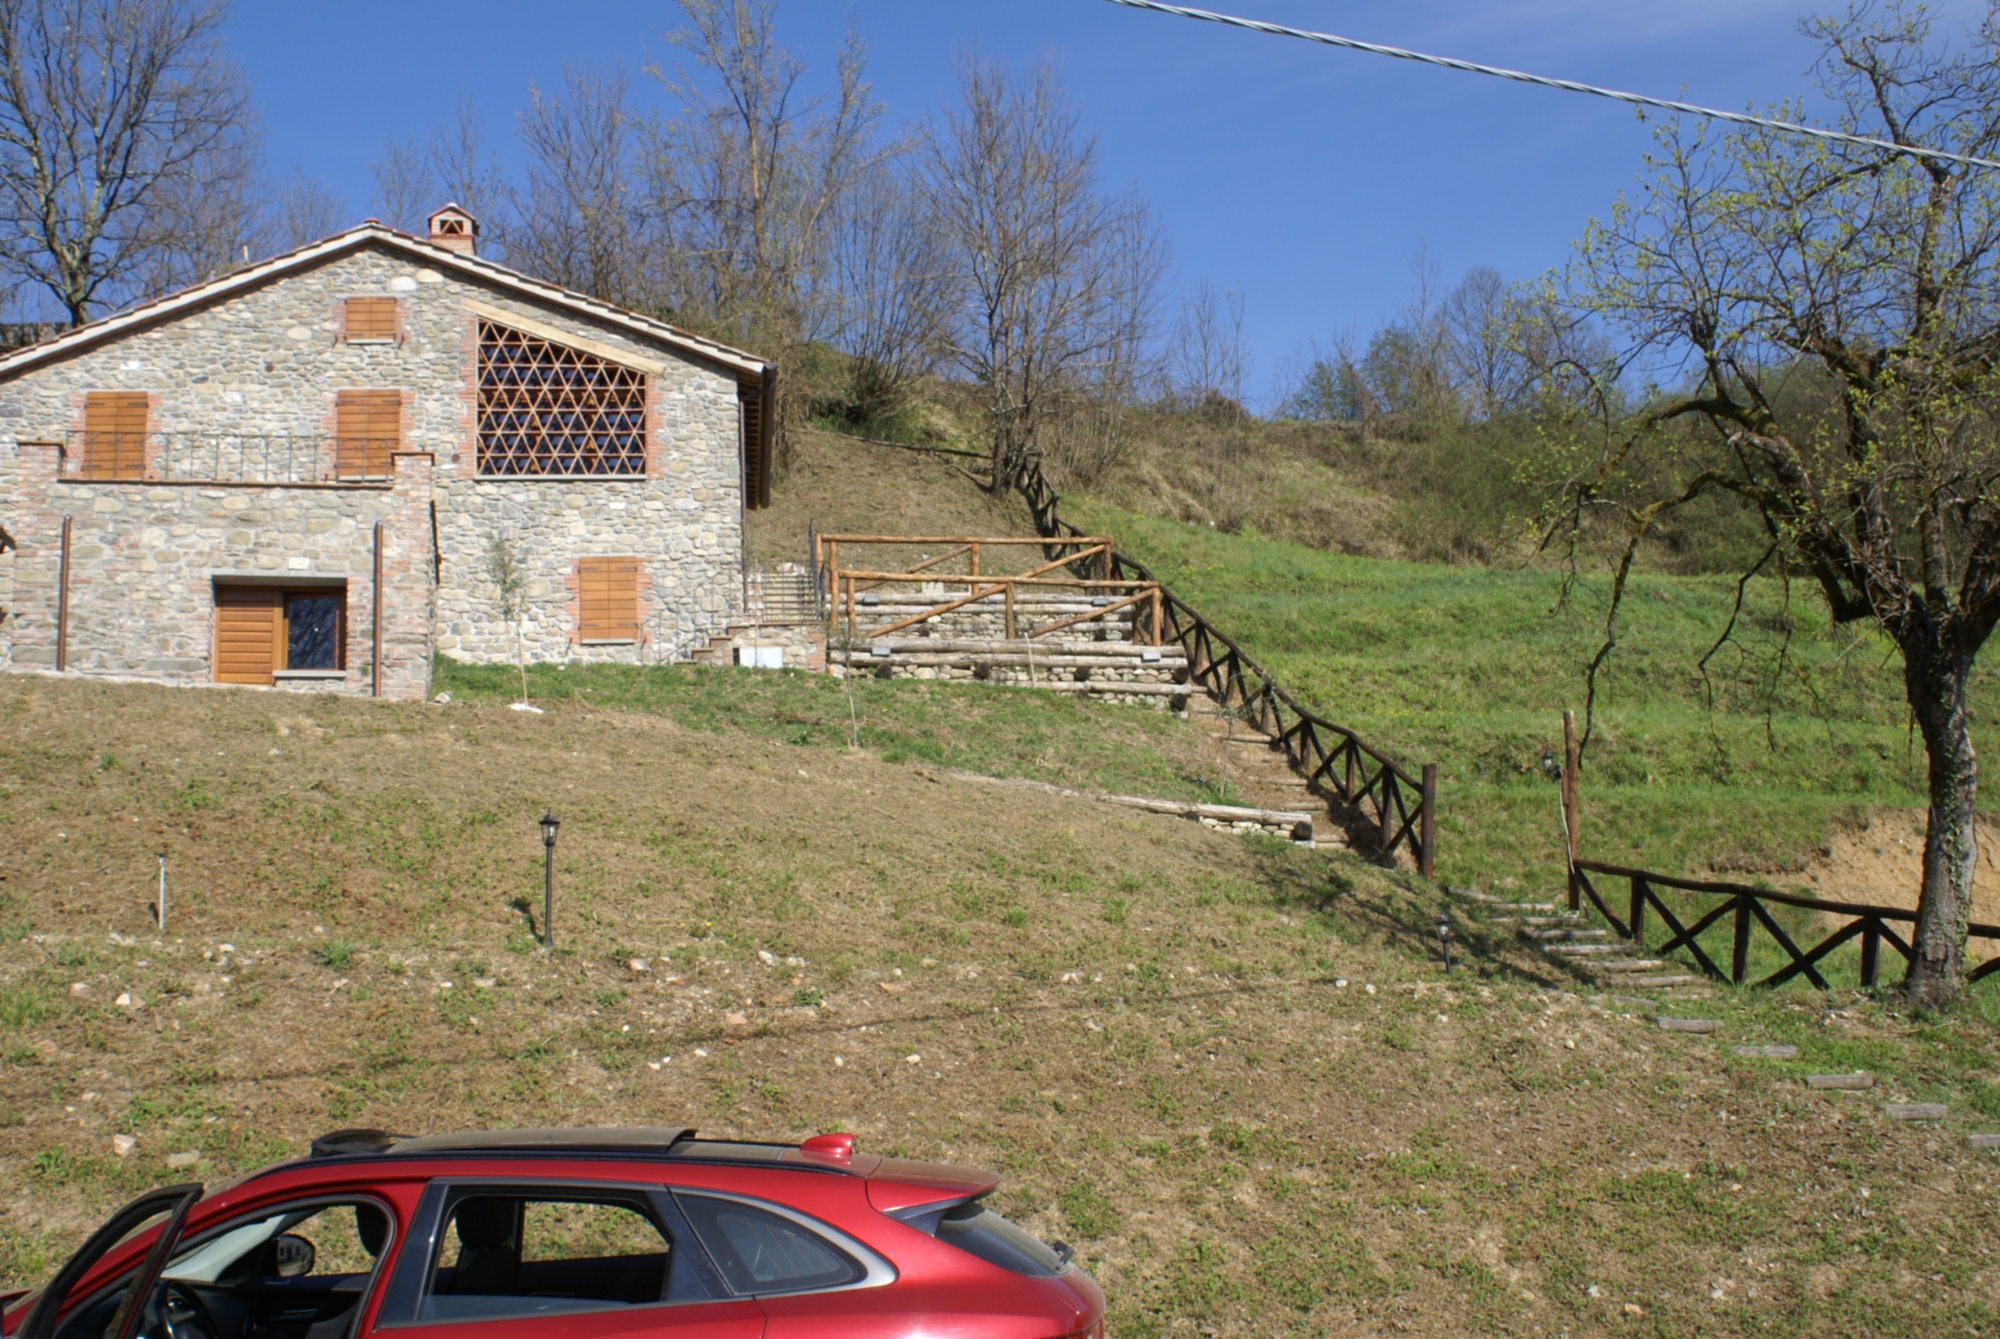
763 1252
295 1272
505 1255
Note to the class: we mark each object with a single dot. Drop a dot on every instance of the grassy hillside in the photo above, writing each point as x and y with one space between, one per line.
1470 667
1230 1071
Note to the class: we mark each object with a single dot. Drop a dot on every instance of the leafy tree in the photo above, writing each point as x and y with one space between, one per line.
1831 315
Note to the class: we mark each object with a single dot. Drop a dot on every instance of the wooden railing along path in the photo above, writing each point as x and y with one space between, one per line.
1338 764
1082 565
1747 907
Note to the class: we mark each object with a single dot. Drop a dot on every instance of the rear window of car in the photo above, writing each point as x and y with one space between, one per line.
763 1252
979 1231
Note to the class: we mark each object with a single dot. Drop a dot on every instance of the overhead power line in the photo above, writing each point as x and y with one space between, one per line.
1543 81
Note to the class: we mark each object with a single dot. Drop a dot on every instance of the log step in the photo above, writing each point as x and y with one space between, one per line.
1560 935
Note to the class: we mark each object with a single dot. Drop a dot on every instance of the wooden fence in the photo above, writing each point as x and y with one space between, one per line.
1338 765
1087 562
1748 909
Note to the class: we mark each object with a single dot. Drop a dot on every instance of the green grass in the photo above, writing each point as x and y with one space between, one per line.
1011 733
1471 667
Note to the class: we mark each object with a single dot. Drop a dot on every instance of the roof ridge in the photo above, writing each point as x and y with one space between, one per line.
164 306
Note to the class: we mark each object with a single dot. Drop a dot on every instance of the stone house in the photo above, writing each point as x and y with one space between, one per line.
302 475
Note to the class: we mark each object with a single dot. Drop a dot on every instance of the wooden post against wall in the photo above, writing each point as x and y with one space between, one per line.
1572 759
62 603
375 622
1427 826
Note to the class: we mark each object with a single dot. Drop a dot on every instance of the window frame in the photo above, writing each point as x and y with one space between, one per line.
175 1240
395 336
636 622
115 465
876 1270
688 1265
366 402
279 597
629 468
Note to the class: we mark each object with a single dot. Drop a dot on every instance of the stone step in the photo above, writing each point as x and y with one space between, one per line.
1701 1026
1558 935
1768 1053
1841 1082
1659 982
1487 899
1630 965
1915 1110
1564 918
1587 950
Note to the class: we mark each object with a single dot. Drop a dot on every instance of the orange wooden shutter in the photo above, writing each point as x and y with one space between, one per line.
114 434
248 623
371 318
367 426
608 599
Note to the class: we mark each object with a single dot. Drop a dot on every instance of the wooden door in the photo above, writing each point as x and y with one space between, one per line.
249 632
114 434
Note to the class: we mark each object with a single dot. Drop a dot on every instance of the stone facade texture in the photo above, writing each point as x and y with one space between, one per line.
257 374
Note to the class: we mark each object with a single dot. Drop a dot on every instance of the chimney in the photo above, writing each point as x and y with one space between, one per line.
455 230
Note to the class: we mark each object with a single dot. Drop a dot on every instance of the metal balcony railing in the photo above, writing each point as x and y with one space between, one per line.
210 457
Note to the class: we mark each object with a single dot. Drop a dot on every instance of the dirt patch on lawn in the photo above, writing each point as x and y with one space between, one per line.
1882 865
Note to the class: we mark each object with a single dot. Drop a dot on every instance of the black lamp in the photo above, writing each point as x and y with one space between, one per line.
1444 937
549 826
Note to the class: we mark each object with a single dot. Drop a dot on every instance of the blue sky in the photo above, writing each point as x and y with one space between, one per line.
1308 177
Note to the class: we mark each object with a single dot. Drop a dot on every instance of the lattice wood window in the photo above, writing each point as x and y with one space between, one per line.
547 409
367 427
607 599
114 434
370 319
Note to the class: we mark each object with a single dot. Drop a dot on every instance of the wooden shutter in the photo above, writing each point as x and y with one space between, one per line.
249 628
371 318
114 434
367 426
607 599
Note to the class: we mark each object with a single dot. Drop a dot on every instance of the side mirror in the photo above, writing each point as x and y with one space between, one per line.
292 1256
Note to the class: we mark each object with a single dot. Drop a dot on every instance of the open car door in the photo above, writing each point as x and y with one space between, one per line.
116 1314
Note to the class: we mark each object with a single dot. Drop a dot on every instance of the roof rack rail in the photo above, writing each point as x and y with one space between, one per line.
349 1143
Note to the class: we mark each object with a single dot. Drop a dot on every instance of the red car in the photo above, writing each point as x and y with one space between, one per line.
532 1234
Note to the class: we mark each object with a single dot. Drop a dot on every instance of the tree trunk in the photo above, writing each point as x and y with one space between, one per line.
1934 680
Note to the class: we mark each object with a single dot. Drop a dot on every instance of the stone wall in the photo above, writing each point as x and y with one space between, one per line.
145 560
265 364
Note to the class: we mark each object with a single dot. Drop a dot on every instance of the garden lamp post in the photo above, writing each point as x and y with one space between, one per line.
1444 938
549 826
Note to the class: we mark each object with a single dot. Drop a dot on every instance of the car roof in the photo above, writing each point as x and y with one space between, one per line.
896 1181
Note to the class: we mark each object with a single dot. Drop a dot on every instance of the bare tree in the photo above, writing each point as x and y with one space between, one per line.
1057 277
405 190
205 222
307 209
1482 349
891 275
466 173
1207 364
107 109
748 177
1836 311
575 222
